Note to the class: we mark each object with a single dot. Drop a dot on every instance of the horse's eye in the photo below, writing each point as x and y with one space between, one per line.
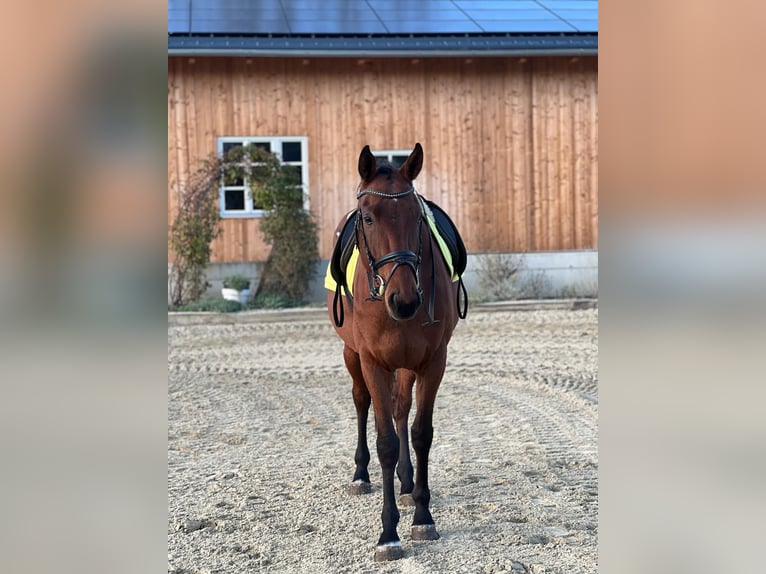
367 219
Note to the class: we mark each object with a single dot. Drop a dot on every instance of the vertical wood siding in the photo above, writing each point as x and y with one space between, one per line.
510 144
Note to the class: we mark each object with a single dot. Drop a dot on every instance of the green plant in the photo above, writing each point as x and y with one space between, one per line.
286 225
196 224
273 301
236 282
210 305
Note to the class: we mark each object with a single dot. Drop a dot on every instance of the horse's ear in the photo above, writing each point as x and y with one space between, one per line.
411 168
367 165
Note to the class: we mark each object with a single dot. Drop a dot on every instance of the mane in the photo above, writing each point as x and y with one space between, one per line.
385 168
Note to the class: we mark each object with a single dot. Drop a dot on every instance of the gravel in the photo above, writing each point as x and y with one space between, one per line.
261 438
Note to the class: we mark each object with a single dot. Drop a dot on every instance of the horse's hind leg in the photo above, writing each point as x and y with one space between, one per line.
423 527
402 404
360 484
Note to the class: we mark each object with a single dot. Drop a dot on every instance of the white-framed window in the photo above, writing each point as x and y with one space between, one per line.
235 197
396 157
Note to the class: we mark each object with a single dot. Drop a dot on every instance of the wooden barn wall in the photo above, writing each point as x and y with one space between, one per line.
510 144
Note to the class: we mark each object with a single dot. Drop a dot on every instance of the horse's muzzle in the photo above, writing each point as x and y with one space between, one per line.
400 308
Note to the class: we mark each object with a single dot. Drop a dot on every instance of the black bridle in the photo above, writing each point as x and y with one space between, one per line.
404 257
398 258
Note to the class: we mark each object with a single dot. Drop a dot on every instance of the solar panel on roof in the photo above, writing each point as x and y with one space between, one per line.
336 27
570 4
348 17
525 26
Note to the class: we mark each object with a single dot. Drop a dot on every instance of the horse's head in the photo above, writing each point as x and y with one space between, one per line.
390 232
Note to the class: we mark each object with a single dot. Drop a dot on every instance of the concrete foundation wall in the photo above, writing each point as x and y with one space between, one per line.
217 272
539 275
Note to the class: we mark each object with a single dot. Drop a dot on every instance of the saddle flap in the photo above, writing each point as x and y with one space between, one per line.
451 236
344 247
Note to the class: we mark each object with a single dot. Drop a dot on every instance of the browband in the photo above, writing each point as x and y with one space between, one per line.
380 194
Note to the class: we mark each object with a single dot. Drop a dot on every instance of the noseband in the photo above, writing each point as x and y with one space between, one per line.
398 258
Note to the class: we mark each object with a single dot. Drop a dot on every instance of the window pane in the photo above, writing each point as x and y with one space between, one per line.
398 160
228 146
291 151
234 199
262 145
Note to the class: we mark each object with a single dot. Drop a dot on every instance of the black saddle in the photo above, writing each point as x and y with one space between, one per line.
451 236
343 249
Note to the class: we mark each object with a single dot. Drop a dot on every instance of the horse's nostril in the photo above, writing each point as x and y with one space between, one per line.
401 309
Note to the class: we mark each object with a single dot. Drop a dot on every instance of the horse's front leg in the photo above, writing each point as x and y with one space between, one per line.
389 546
402 404
360 484
423 526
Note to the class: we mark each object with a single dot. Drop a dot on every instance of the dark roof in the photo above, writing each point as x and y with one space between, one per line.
382 27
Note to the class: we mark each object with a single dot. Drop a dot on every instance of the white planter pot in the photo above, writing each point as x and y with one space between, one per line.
234 295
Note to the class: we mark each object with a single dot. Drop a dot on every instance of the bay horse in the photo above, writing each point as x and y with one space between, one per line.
399 318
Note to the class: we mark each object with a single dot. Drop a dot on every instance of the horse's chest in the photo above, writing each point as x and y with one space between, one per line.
398 349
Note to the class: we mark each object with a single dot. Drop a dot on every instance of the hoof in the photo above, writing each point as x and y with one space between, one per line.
406 500
388 551
424 532
359 487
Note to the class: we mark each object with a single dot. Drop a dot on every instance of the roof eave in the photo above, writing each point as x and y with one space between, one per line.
379 54
386 46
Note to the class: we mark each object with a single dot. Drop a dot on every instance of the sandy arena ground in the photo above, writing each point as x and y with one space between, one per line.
261 438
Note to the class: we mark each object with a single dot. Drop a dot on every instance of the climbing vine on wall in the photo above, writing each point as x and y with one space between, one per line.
286 225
